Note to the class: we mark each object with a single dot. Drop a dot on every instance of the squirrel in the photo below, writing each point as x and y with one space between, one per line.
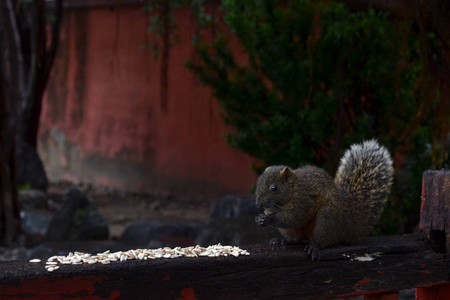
308 204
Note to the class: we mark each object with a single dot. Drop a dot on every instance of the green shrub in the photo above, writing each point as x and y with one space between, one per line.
318 78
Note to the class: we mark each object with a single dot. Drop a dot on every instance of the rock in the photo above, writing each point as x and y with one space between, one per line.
30 171
32 199
77 219
92 227
8 254
155 234
232 221
43 251
231 206
241 230
35 222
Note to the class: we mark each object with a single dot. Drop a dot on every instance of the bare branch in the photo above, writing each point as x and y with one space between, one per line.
16 56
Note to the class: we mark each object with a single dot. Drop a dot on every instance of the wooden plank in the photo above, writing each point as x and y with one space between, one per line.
435 292
388 296
270 272
435 209
435 223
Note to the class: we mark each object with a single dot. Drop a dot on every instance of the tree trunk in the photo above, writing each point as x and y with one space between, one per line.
12 91
25 64
41 60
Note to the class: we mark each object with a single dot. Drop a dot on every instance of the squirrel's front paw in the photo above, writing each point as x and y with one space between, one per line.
313 250
262 219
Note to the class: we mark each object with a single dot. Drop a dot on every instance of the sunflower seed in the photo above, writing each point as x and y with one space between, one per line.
77 258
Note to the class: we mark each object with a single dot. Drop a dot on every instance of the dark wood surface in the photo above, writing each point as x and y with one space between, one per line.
435 210
270 272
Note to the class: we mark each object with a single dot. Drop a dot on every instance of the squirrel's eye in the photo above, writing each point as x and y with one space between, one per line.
273 188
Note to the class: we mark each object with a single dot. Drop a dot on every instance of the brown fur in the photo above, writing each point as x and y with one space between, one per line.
307 203
305 232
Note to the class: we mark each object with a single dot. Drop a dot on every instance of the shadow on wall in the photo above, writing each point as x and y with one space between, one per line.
64 161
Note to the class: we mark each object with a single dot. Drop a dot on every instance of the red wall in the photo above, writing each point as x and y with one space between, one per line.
103 123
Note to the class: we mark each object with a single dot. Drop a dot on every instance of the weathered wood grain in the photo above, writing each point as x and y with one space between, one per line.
270 272
435 209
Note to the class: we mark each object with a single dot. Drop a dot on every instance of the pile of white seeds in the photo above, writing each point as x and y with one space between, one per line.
107 257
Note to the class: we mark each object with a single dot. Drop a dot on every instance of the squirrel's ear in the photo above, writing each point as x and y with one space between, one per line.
286 172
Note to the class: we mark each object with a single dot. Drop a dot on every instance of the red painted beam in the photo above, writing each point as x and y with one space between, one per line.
435 292
58 287
388 296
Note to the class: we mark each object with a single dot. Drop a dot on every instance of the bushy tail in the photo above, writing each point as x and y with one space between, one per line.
364 178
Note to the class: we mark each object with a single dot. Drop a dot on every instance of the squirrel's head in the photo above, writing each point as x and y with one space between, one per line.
273 189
